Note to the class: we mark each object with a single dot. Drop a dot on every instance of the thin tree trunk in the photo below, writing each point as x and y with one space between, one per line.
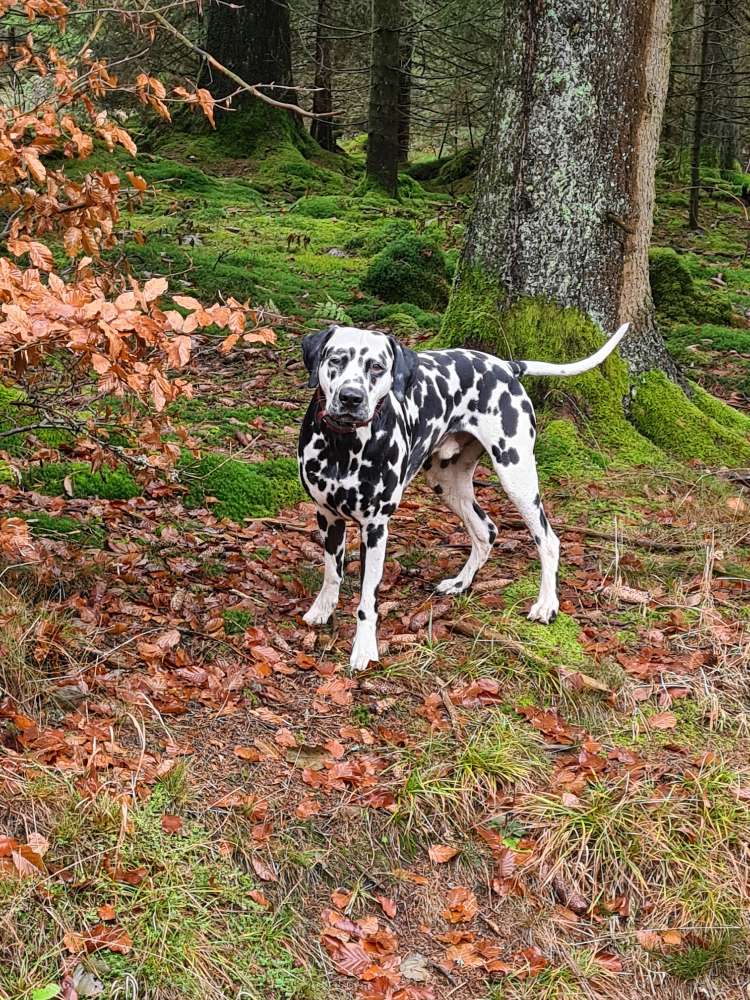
383 117
700 100
322 129
253 39
406 53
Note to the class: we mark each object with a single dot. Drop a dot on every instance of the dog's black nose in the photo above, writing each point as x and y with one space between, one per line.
351 397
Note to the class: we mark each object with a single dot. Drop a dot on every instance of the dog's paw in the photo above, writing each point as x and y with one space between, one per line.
321 611
453 585
364 650
544 611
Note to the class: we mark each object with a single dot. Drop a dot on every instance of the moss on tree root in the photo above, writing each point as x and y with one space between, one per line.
661 418
702 427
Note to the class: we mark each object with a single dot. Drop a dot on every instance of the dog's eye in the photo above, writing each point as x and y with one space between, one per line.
377 370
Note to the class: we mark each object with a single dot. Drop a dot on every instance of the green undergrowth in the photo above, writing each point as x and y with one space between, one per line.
675 847
194 928
561 453
242 489
444 777
267 145
706 336
217 424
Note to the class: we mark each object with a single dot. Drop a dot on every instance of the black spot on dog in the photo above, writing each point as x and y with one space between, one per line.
374 533
361 615
529 409
543 520
437 488
508 415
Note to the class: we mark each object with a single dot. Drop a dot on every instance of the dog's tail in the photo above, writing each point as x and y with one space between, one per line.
577 367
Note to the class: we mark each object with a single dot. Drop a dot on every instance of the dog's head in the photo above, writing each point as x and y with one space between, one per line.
355 369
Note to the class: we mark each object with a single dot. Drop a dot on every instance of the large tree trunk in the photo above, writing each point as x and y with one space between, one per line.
557 248
252 38
383 117
322 128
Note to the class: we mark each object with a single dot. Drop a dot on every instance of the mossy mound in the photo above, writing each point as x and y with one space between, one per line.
378 235
411 269
243 489
677 297
447 171
50 479
702 428
268 145
321 206
424 320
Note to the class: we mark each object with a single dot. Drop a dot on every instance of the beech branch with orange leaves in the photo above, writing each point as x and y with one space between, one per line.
71 338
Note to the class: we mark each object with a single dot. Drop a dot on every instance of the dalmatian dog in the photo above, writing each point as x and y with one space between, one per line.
380 414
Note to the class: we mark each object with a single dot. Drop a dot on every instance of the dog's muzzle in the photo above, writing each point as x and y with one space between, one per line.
347 411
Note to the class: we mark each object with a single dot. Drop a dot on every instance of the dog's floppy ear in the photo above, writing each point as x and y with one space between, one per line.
312 347
405 363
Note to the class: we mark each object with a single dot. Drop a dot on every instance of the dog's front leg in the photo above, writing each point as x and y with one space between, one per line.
334 538
371 560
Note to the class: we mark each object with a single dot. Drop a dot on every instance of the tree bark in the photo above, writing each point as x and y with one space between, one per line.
322 129
565 189
253 39
557 248
383 113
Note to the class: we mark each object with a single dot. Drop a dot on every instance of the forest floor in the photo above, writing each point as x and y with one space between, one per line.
198 801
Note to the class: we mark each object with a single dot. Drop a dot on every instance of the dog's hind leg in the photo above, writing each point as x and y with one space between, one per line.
452 480
334 538
519 479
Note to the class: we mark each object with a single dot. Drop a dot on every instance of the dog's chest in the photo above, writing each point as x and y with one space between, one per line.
349 476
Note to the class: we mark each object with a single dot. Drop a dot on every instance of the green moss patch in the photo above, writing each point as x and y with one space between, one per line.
243 489
44 525
108 484
321 206
411 269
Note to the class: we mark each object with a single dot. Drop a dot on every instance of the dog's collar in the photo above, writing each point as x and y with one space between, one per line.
333 425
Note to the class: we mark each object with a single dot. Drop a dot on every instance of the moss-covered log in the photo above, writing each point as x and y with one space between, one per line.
558 245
